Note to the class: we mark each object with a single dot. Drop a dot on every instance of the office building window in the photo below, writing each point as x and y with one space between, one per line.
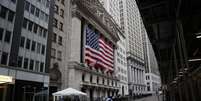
25 23
54 38
60 40
41 67
37 12
26 60
7 37
56 9
19 61
61 26
4 58
83 77
97 80
38 47
55 22
11 15
33 46
91 78
59 55
53 53
35 28
31 64
37 66
1 33
43 49
44 33
32 9
61 12
3 12
40 31
28 41
30 26
22 40
27 5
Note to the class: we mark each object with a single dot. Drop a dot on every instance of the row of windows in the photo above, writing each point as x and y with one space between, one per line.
53 54
32 45
45 2
56 25
5 35
35 28
55 37
6 13
36 11
56 10
30 64
113 83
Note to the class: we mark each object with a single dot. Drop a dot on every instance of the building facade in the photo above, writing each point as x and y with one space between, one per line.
59 45
131 24
23 47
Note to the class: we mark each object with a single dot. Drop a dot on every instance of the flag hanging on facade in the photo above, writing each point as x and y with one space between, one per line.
98 52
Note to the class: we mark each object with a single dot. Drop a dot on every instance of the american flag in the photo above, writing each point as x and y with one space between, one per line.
98 52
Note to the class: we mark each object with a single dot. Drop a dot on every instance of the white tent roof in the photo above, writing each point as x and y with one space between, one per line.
68 91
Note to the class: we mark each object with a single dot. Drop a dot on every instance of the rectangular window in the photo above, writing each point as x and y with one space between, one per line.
61 26
11 16
40 31
59 55
60 40
26 60
7 37
41 67
43 49
61 12
38 47
27 6
37 12
55 22
1 33
22 41
28 44
35 28
44 33
53 53
19 61
32 9
56 9
33 46
31 64
54 38
3 12
25 23
37 66
4 58
30 26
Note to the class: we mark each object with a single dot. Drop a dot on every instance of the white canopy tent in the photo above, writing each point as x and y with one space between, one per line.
67 92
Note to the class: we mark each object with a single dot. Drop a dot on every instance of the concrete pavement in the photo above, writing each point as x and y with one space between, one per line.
151 98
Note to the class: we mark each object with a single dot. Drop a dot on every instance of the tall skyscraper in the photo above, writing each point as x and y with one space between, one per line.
131 24
113 7
23 46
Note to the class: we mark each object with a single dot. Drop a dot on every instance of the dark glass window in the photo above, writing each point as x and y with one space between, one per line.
25 23
54 38
97 80
44 33
3 12
33 47
11 15
27 5
38 47
37 66
61 26
91 78
26 60
40 31
83 77
43 49
4 58
41 67
55 22
19 61
60 40
1 33
22 40
32 9
59 55
37 12
7 36
56 9
35 28
28 44
31 64
30 26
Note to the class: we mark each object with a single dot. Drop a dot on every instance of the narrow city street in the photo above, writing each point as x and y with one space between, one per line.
151 98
